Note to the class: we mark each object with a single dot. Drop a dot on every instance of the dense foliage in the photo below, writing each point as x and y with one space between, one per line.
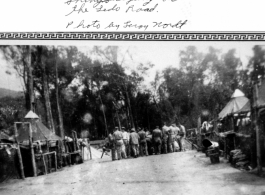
73 91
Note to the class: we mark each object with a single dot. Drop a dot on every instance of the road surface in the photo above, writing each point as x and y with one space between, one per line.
178 173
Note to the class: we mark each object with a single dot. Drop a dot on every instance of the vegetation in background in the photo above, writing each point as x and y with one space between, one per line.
70 90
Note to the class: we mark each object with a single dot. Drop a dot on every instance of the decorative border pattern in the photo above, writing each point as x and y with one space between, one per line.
128 36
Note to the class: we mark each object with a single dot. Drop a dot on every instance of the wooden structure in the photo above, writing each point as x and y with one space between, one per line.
30 146
72 148
43 160
30 133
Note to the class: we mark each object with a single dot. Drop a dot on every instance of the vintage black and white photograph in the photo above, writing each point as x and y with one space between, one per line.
132 117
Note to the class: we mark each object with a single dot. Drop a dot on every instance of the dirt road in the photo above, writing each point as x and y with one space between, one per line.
179 173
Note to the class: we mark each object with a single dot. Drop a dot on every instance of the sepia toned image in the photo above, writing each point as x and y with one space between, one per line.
132 117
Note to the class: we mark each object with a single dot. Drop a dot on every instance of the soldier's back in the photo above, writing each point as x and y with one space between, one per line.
142 135
134 138
157 133
117 135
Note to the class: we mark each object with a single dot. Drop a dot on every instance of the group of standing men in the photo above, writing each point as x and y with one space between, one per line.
125 144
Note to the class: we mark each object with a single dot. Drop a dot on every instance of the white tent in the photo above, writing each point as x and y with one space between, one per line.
237 101
31 115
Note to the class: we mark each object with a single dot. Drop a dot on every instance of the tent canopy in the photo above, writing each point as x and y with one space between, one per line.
31 115
39 132
237 101
245 108
237 93
260 101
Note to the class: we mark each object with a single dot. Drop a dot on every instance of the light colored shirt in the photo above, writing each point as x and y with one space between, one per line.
125 135
117 135
174 130
183 130
134 138
165 128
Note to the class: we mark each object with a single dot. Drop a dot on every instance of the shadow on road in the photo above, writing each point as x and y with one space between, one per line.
245 178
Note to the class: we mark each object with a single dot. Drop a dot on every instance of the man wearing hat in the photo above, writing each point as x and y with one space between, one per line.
119 143
181 136
143 144
126 138
165 129
134 142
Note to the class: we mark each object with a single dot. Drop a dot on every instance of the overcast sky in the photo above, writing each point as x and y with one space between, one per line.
161 54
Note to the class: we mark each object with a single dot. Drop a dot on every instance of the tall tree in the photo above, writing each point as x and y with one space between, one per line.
42 53
60 116
19 57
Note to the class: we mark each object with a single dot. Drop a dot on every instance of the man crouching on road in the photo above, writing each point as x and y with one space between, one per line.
119 143
134 141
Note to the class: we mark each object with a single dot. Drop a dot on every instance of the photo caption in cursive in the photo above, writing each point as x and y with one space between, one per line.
89 9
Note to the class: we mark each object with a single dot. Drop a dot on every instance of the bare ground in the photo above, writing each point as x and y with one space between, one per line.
179 173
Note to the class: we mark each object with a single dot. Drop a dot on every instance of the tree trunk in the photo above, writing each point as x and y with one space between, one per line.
130 109
257 129
158 108
60 116
118 118
148 121
46 94
103 111
47 101
30 89
129 117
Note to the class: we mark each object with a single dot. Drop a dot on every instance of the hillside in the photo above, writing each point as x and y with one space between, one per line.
7 92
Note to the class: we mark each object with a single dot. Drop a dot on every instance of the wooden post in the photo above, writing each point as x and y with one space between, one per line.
55 157
47 143
225 152
21 167
44 163
90 152
83 151
32 152
48 157
256 125
59 154
199 138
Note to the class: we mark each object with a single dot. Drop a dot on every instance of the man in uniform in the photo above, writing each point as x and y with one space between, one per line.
134 142
119 143
126 139
165 129
181 135
157 140
149 142
143 144
175 131
171 147
112 146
